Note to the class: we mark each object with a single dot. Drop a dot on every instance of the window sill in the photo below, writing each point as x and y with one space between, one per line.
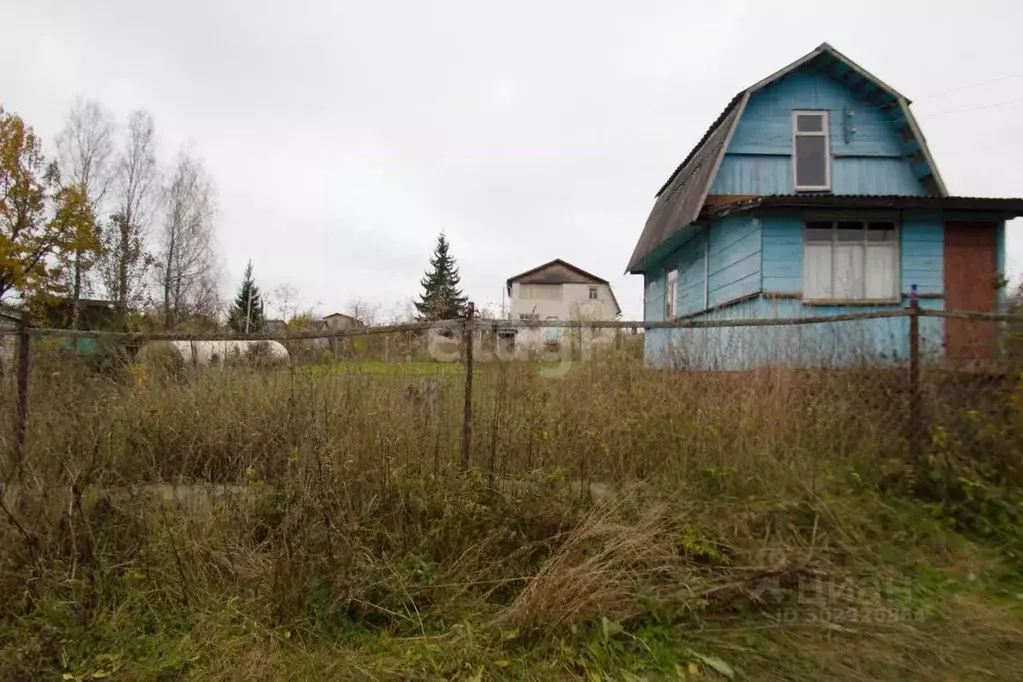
812 190
851 301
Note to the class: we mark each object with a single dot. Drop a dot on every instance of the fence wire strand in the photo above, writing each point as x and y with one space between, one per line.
460 393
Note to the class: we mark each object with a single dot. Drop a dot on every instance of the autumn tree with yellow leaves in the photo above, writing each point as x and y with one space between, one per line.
44 228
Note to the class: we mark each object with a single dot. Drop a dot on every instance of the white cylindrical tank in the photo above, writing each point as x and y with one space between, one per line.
204 353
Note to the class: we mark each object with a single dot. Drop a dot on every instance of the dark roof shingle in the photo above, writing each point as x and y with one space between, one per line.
680 199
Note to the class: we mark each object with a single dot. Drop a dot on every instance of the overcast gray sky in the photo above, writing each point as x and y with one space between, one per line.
343 136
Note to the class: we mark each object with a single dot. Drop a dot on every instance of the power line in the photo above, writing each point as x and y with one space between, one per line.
959 88
983 106
969 86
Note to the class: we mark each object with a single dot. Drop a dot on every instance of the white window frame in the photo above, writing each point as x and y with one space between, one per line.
826 134
896 294
670 293
593 293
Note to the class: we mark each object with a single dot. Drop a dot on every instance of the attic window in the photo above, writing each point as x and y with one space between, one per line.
593 293
811 151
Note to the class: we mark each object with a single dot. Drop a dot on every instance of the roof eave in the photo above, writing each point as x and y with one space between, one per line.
914 127
1007 207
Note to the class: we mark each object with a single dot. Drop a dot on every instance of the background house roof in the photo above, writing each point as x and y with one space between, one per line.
555 277
681 198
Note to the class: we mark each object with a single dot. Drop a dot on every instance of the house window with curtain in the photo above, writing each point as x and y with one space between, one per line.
851 260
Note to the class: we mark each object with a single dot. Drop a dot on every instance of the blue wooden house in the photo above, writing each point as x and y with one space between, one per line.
814 194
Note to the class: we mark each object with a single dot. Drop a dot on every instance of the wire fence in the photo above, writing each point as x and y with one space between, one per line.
447 380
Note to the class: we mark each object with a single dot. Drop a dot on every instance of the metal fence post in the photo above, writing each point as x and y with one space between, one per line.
466 460
914 375
21 413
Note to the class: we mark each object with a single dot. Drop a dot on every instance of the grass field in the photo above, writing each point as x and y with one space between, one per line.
617 524
382 367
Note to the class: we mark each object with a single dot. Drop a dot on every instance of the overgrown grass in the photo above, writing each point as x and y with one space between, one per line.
617 523
382 367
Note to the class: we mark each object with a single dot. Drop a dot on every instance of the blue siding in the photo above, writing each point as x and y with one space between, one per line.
783 253
922 252
868 155
766 125
732 271
734 268
689 295
747 253
691 274
773 175
828 344
653 296
712 349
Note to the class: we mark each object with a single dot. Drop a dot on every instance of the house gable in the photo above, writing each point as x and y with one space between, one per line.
867 155
748 150
555 272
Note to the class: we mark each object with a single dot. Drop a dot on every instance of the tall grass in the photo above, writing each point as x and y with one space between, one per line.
301 516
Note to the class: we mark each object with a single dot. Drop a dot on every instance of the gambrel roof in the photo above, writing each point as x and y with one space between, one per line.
680 200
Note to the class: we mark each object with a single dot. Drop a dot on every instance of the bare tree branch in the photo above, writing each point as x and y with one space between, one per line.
84 150
187 256
135 184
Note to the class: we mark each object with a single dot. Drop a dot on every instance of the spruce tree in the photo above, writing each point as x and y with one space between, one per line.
248 304
442 298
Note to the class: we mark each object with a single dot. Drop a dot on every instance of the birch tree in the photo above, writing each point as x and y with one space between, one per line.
134 191
84 152
186 259
85 149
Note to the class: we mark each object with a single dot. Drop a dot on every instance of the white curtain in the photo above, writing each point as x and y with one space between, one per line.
848 271
882 270
817 271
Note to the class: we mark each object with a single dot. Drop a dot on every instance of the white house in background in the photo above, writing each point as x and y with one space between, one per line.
558 291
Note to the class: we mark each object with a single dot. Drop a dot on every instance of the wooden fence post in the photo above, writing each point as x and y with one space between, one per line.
915 426
21 412
466 460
